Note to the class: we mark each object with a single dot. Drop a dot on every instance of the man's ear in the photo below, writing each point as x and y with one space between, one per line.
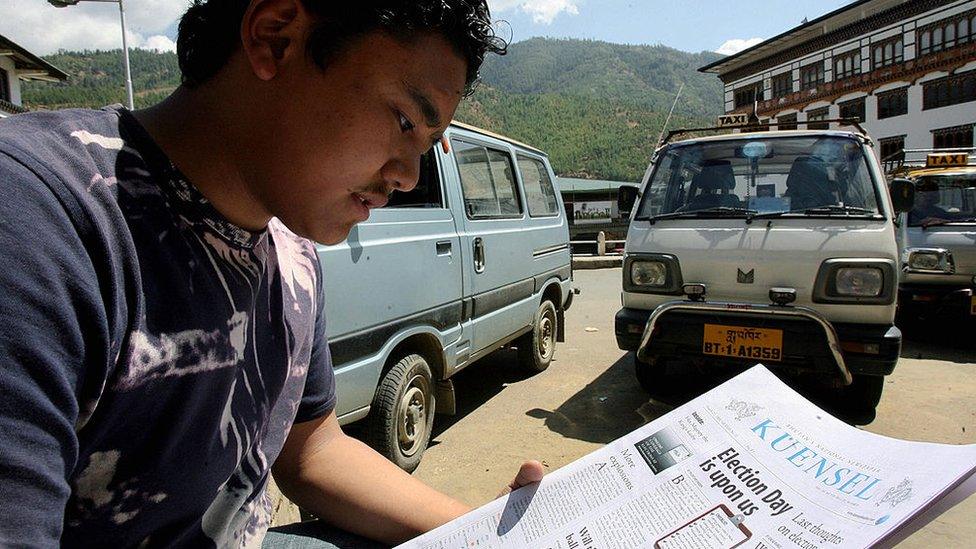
272 33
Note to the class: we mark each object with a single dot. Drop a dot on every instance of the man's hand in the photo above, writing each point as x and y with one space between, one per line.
530 472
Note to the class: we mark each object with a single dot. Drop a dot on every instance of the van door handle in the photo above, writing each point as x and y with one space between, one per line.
444 247
479 255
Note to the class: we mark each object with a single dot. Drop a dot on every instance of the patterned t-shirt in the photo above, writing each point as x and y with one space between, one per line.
153 356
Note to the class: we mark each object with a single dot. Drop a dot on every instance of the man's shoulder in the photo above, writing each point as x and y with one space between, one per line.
63 140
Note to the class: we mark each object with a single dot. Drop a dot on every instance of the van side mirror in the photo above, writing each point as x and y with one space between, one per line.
626 197
902 194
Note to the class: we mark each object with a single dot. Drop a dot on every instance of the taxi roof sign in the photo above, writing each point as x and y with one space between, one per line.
738 119
946 160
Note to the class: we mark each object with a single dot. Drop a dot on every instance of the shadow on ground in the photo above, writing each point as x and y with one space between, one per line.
479 383
948 340
609 407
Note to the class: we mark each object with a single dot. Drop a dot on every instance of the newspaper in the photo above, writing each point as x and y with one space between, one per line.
749 464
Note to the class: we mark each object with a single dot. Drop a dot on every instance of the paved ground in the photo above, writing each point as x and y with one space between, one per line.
588 397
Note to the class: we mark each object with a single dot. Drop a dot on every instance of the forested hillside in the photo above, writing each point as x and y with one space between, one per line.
596 108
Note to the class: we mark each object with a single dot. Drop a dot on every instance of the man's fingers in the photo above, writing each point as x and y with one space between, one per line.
531 471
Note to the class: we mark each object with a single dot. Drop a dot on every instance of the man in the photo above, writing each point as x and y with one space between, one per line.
927 211
162 336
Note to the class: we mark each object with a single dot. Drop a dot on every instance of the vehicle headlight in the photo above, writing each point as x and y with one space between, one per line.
929 260
859 281
868 281
649 273
652 273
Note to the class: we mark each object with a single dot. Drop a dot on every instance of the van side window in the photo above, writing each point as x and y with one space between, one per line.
427 193
487 181
539 194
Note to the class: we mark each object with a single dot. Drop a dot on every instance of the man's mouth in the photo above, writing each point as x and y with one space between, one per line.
371 200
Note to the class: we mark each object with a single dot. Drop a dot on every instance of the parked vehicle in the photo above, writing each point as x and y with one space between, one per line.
476 257
769 246
938 236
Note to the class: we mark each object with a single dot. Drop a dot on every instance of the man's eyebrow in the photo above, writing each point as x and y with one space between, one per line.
427 108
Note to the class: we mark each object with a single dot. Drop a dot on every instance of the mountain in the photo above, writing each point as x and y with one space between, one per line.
596 108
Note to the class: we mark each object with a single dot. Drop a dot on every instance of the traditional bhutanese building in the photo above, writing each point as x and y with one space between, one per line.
906 69
16 64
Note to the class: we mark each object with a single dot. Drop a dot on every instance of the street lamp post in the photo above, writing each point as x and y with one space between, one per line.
125 44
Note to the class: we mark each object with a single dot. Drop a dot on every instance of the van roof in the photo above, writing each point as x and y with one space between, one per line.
482 131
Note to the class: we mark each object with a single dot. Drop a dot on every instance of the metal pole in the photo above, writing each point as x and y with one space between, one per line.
125 55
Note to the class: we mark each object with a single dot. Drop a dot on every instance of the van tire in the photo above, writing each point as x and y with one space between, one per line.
537 347
402 413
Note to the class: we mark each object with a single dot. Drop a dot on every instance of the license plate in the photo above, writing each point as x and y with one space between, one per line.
743 342
972 305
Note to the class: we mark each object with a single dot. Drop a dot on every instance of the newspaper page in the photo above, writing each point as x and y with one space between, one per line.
750 464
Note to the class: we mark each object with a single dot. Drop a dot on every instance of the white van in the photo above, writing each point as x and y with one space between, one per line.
775 247
475 258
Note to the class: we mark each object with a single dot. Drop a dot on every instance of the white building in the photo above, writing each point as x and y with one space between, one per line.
18 64
905 68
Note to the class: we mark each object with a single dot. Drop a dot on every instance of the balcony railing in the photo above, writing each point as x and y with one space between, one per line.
7 106
908 70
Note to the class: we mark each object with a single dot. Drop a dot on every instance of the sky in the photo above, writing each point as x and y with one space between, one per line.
694 25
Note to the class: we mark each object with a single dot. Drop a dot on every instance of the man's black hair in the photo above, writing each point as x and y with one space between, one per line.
210 30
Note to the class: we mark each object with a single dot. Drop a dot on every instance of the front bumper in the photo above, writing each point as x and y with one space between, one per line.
924 299
810 342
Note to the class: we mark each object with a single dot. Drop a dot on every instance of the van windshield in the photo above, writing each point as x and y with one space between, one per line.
943 199
777 176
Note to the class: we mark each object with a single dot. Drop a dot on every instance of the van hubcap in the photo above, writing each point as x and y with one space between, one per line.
546 344
412 424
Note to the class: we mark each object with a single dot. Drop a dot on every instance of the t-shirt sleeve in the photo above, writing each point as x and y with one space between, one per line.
49 303
319 397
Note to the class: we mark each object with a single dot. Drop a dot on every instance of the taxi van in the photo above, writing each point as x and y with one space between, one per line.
938 236
475 258
765 246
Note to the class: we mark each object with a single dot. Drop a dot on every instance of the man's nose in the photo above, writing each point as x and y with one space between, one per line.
402 174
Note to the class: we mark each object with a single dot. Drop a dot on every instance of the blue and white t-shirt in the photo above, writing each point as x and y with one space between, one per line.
153 356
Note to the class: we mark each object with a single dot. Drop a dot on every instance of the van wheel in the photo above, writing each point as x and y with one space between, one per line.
536 348
402 413
857 403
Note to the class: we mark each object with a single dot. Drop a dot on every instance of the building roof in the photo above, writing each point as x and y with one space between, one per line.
30 66
806 31
575 185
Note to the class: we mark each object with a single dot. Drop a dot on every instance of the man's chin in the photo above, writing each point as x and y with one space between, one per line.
329 236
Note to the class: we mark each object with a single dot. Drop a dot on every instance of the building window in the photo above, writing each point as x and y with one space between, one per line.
847 65
782 84
811 76
816 115
951 90
947 33
4 86
892 151
956 137
853 109
747 97
786 122
887 53
892 103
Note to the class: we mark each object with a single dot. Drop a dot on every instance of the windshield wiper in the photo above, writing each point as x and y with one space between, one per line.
938 222
721 210
840 209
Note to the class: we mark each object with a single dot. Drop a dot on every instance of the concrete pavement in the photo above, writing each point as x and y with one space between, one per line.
589 397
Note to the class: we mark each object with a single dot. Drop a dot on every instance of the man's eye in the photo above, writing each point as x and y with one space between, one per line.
405 123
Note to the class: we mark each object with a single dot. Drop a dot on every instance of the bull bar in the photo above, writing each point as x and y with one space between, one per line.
731 308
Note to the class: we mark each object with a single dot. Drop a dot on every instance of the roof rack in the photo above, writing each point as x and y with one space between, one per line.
898 161
764 126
